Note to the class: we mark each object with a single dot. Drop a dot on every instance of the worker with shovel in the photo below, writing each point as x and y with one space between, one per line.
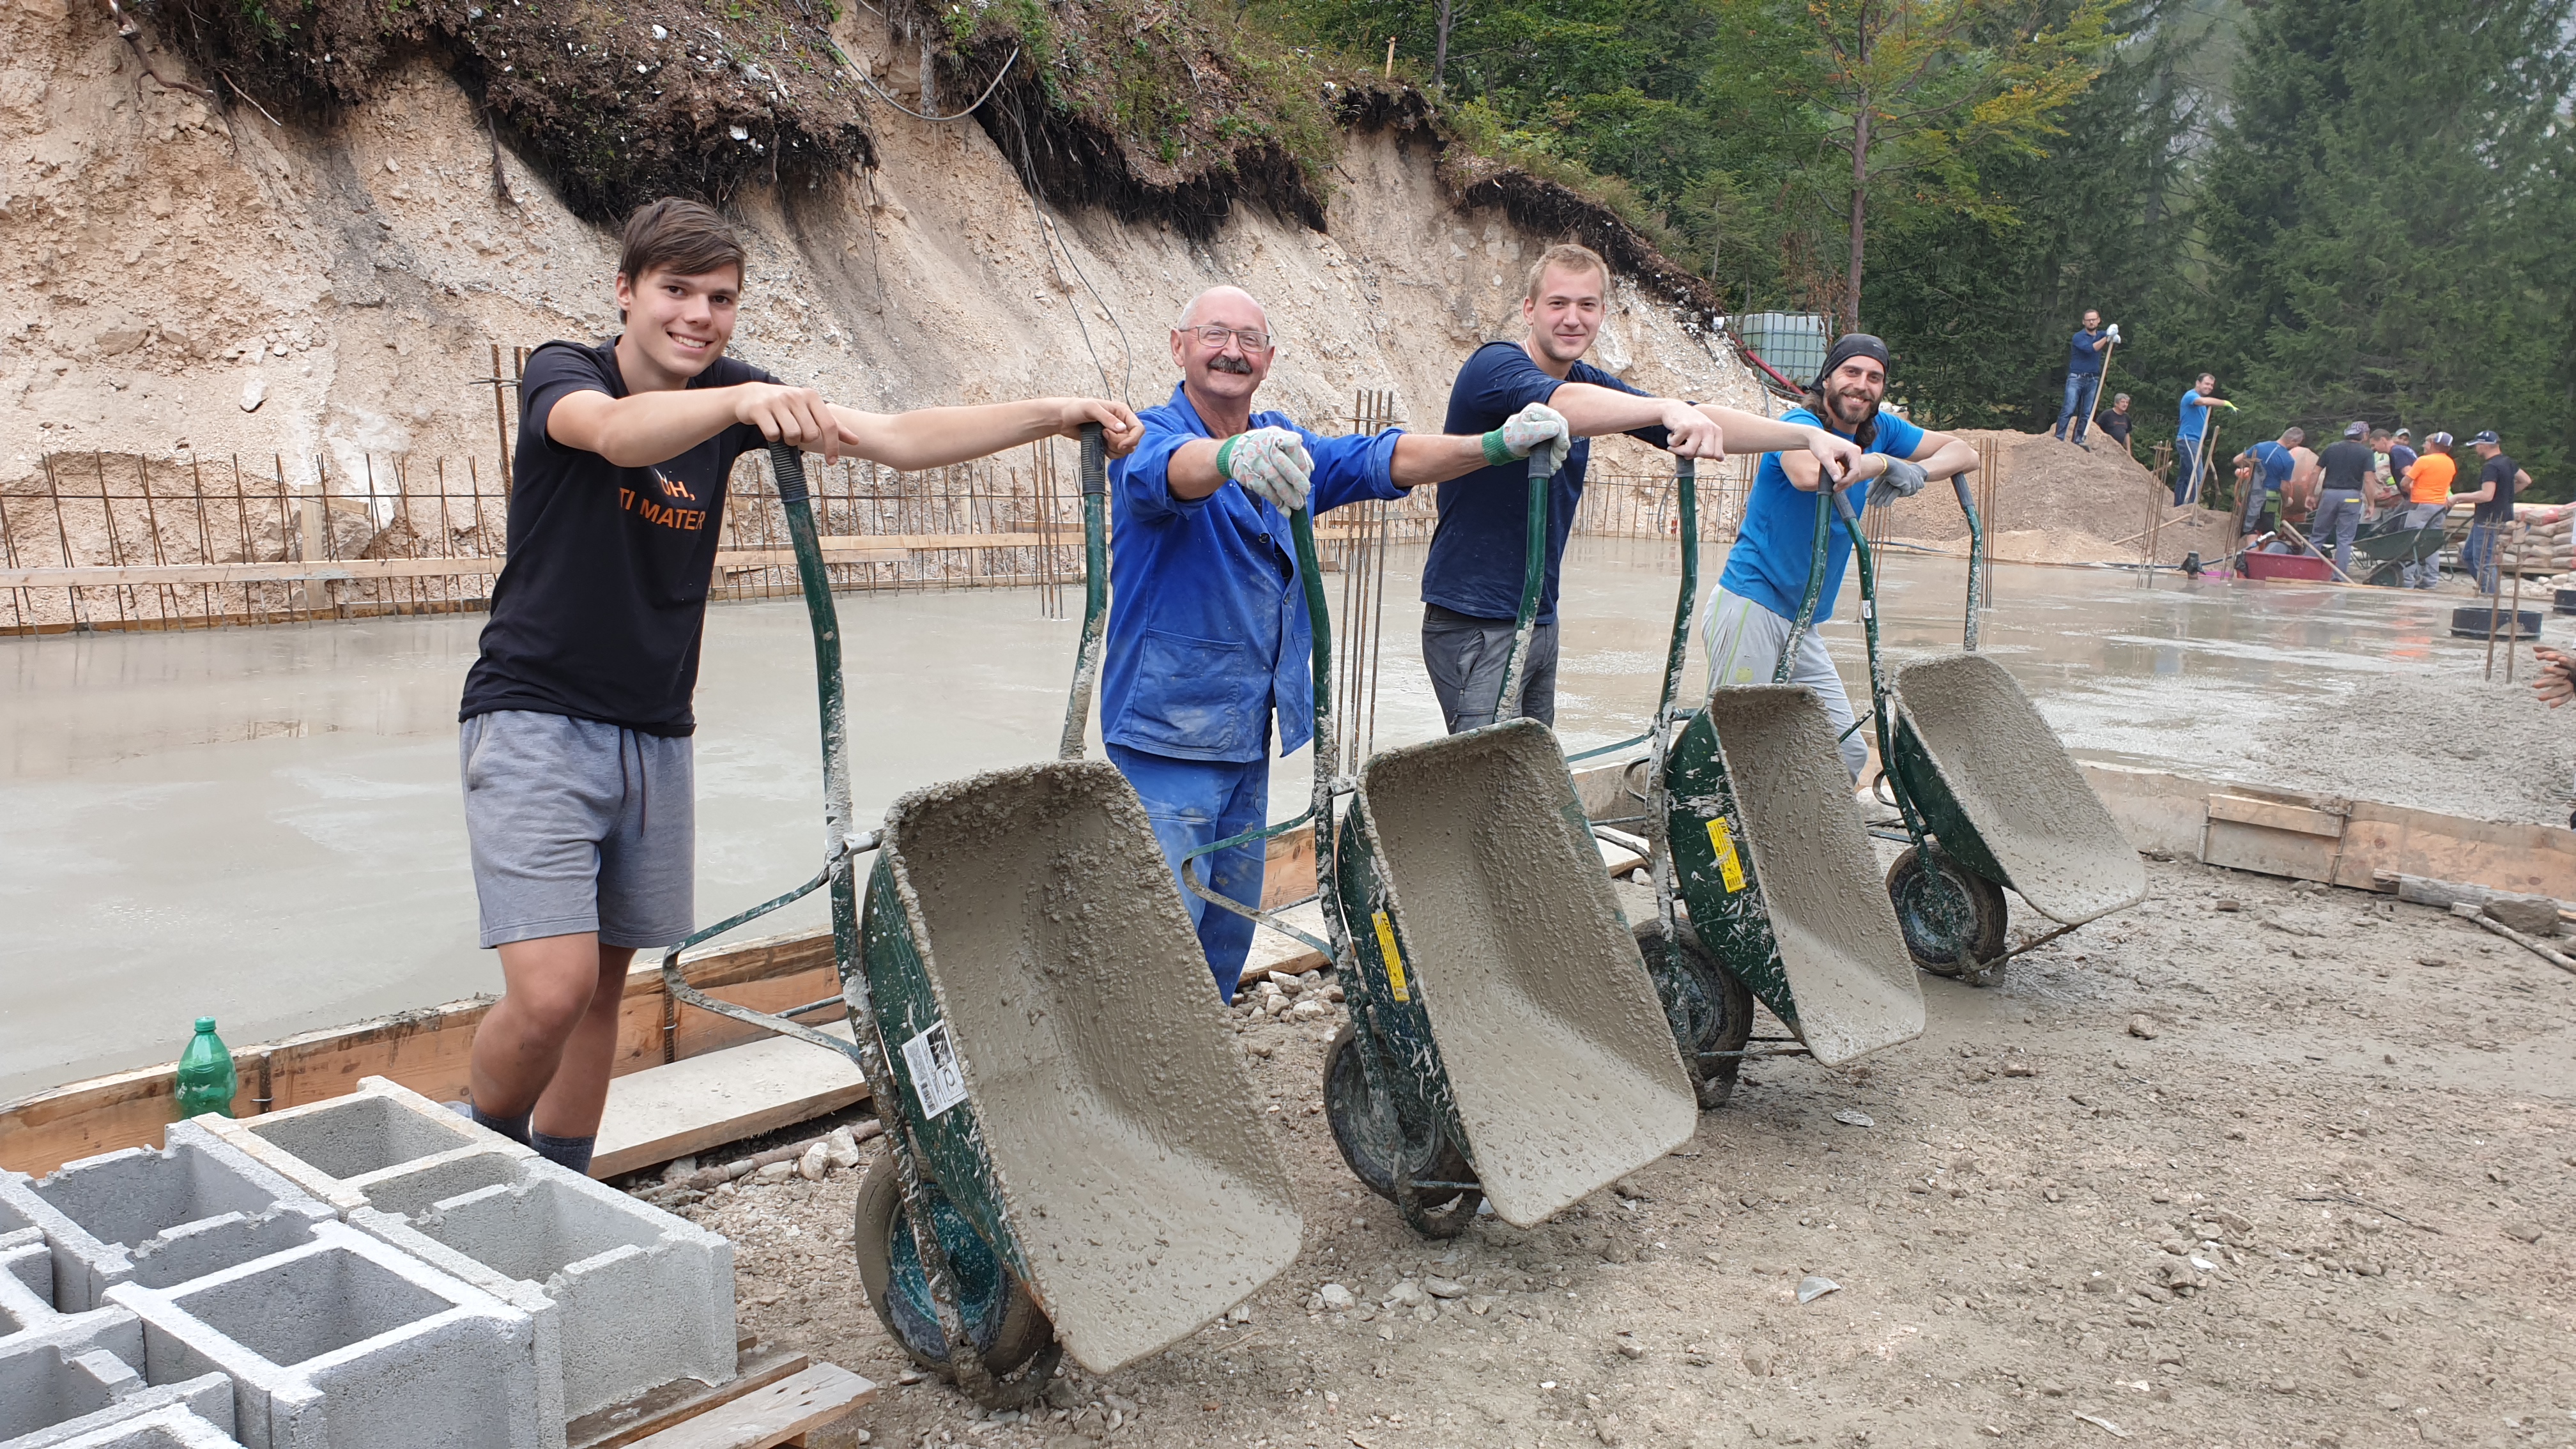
576 722
1208 634
1749 614
1471 579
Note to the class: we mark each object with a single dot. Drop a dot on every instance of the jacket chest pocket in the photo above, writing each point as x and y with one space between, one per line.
1195 694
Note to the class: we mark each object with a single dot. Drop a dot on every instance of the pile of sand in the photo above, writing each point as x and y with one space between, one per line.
2057 503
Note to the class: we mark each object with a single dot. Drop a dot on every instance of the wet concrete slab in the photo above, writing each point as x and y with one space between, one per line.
264 824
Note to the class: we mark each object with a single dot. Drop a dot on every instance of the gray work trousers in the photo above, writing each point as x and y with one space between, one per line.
2427 574
2338 516
1465 657
1744 643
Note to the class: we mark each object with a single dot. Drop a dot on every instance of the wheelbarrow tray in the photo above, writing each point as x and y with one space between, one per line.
2001 795
1063 1059
1775 864
1559 1065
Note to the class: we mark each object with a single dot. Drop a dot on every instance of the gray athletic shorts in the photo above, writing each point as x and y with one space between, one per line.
579 826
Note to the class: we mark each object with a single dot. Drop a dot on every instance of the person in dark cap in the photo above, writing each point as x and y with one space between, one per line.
1748 615
2499 479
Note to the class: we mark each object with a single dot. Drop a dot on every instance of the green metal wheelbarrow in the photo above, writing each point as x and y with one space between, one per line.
1505 1044
1986 795
1754 835
1064 1170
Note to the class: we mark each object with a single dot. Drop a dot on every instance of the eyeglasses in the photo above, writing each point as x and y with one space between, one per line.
1215 338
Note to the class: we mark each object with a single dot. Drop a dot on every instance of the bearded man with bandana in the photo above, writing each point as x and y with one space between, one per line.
1748 615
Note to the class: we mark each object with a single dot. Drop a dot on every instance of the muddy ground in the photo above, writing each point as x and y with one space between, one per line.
2248 1165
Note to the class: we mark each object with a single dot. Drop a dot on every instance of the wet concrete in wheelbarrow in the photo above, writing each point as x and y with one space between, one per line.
2248 1165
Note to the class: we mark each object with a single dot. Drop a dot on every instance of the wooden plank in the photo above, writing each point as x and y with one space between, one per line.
655 1410
2277 815
2525 860
2296 854
707 1101
1288 870
783 1411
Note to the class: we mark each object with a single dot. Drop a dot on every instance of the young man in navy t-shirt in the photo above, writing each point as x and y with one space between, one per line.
1471 580
1750 611
576 723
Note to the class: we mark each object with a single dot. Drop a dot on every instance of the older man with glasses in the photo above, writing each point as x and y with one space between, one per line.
1208 635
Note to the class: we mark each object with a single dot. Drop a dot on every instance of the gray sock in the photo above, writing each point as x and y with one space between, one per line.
569 1153
514 1128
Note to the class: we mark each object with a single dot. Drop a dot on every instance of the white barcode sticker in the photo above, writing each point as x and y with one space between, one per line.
932 1059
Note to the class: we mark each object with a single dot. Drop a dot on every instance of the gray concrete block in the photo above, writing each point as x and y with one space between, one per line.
335 1150
411 1187
26 1272
347 1343
155 1218
631 1296
173 1426
79 1373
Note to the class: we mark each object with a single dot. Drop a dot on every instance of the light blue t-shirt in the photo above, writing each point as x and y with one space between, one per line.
1768 563
2193 418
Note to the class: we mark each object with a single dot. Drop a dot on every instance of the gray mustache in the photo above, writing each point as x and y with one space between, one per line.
1227 363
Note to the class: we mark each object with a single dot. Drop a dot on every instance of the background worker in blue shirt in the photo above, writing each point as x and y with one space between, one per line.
1471 579
1750 611
2191 428
1208 635
2275 463
2084 373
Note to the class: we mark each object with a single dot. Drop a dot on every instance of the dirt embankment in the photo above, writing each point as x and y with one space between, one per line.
329 286
2251 1164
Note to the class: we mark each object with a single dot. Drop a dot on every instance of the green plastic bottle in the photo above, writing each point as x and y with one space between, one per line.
207 1080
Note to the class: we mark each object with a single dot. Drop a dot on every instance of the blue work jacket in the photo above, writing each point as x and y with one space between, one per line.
1207 618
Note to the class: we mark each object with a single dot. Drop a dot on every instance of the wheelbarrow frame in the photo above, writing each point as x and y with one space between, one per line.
871 942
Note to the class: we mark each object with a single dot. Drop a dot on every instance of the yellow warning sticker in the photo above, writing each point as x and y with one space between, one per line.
1729 867
1394 958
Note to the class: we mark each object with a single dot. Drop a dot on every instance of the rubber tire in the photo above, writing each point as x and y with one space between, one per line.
1024 1329
1371 1143
1907 882
1727 1030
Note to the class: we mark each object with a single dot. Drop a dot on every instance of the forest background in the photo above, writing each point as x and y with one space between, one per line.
2343 208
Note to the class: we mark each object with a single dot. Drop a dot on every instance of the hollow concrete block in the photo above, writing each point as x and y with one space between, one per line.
336 1150
81 1374
155 1218
26 1279
347 1343
631 1296
174 1426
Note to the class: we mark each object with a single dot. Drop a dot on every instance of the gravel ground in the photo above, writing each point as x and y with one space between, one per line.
2248 1165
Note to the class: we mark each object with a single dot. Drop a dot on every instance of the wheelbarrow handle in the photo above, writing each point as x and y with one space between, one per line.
1095 591
1533 581
1976 558
1814 595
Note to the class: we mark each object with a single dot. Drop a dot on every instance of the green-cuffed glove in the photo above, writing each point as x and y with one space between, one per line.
1533 428
1270 463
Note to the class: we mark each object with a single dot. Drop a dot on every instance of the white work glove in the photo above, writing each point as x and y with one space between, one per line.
1270 463
1903 479
1528 431
2112 333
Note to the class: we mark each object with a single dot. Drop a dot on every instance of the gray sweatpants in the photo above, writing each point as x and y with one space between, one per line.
1465 655
1744 644
2338 515
2427 574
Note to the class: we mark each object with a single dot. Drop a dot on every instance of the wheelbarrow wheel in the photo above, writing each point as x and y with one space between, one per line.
1711 1012
1002 1320
1944 936
1391 1156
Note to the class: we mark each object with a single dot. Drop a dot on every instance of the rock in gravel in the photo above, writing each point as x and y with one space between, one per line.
1629 1347
1406 1294
2142 1028
1337 1297
1811 1288
1444 1288
1855 1117
1758 1358
1630 1188
2524 1232
2531 915
776 1172
816 1162
841 1147
1307 1010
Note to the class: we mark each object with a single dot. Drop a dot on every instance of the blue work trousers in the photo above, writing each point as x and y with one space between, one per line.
2186 479
2081 389
1193 803
2478 554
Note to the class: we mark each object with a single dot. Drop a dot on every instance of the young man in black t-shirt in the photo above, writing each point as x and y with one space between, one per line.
2499 479
575 744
